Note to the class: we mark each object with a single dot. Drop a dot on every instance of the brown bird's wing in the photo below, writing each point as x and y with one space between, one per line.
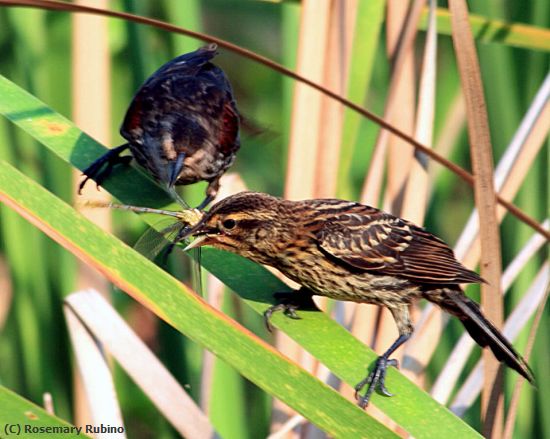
375 241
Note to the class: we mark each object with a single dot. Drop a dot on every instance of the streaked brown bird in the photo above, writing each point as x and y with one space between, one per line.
349 251
182 125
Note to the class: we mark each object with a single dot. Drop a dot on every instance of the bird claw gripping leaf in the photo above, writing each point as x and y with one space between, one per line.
102 167
375 380
289 302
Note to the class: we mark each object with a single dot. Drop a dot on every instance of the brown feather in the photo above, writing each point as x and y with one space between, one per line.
379 242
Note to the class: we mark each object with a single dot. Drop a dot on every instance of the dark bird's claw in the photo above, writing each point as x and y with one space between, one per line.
375 380
289 302
100 169
94 170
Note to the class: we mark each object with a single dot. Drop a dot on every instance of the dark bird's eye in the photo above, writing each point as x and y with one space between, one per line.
229 223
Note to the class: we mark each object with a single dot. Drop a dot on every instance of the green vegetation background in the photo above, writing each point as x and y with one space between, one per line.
35 52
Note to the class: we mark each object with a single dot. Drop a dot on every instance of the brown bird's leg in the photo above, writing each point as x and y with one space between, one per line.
289 302
110 159
376 379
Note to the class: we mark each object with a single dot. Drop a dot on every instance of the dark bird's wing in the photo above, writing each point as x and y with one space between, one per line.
378 242
175 84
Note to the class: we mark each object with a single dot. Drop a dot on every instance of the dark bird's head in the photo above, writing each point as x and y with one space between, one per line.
188 61
247 223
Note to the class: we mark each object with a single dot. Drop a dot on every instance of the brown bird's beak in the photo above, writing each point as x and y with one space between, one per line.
198 242
201 234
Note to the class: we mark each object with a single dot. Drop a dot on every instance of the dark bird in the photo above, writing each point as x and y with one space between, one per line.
349 251
182 125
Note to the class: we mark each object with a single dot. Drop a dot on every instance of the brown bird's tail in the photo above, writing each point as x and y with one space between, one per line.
483 331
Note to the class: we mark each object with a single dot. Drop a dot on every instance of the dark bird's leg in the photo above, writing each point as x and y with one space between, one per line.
177 167
175 171
109 160
211 192
376 379
205 202
288 303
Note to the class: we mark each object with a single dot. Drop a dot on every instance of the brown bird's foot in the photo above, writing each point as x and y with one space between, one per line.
289 302
100 169
375 380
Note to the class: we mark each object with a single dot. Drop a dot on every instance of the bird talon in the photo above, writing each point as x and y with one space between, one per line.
81 185
375 381
289 303
268 324
108 160
383 390
269 312
290 311
393 362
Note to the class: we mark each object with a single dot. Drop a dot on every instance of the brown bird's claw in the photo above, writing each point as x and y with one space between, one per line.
289 302
288 310
375 380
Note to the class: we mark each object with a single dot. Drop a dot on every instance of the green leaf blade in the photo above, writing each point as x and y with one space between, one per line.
22 418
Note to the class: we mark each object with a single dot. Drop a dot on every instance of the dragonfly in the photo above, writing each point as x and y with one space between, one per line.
174 230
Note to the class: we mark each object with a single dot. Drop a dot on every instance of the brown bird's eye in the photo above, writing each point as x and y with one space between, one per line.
229 223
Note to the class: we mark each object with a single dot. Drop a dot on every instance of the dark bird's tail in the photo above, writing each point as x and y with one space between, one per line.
483 331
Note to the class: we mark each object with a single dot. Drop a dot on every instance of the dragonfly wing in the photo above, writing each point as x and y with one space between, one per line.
153 241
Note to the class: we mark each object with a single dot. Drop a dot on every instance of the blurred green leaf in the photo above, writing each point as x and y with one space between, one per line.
36 54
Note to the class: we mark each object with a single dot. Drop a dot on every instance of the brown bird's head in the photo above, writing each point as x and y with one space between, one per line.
246 223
